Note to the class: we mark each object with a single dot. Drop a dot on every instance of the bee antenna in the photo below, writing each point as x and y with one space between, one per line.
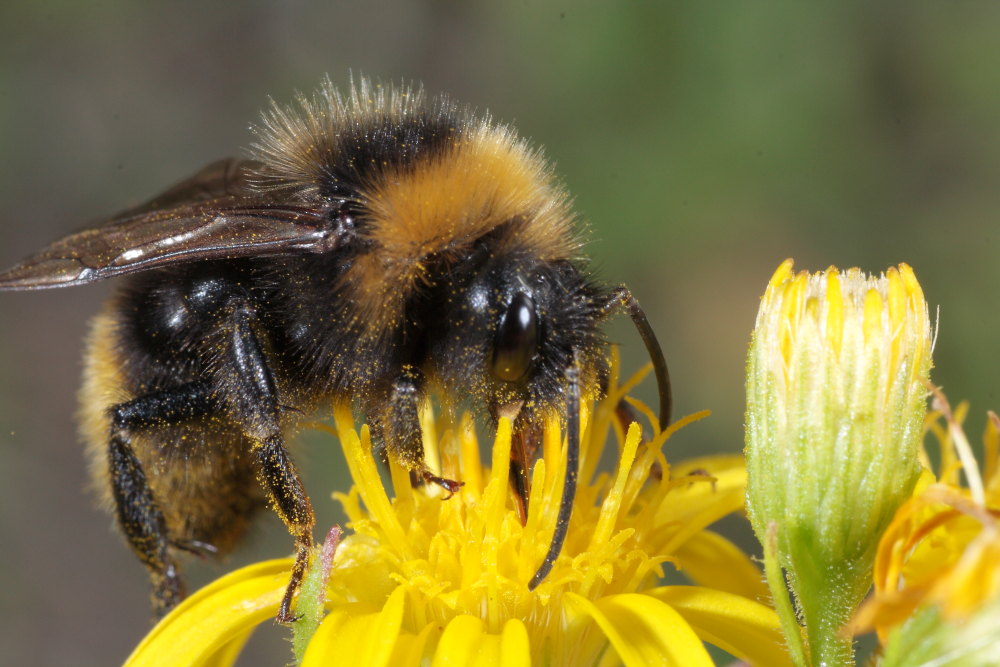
569 483
621 296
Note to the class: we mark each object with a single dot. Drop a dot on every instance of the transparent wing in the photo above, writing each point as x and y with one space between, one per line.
212 215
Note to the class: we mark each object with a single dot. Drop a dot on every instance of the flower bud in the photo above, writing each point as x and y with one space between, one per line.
837 380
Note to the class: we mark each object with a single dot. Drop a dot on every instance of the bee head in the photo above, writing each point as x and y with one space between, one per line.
514 329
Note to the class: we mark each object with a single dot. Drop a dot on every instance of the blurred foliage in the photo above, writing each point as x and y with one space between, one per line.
704 142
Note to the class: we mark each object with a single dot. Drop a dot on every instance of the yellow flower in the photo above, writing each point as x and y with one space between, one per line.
837 377
423 580
937 585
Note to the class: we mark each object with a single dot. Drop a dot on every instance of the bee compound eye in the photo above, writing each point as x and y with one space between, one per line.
516 340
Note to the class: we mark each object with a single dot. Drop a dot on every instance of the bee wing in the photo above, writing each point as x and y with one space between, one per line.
209 216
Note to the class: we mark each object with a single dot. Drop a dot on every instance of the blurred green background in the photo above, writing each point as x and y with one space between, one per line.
705 142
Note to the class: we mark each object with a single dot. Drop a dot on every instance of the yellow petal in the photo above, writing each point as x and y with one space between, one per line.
747 629
416 649
717 465
698 504
371 634
515 649
466 643
203 629
644 631
230 653
709 559
462 643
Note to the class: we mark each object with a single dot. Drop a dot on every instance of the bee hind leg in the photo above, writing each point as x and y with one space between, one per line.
137 511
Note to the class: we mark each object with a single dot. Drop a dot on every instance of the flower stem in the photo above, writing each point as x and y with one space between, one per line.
824 616
827 592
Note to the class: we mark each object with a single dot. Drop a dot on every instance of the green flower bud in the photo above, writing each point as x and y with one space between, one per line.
837 380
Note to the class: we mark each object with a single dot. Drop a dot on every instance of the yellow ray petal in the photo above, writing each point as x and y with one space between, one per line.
717 465
700 504
747 629
201 631
370 633
230 653
463 644
416 649
709 559
515 648
644 631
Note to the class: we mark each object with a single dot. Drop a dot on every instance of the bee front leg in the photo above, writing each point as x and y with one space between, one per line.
247 384
399 425
137 511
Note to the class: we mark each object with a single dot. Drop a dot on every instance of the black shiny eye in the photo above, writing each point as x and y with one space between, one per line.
516 341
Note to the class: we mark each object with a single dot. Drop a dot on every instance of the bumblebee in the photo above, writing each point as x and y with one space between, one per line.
376 247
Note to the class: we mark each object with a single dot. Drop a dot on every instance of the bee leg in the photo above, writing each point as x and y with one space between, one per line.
137 511
281 479
400 426
141 520
249 389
